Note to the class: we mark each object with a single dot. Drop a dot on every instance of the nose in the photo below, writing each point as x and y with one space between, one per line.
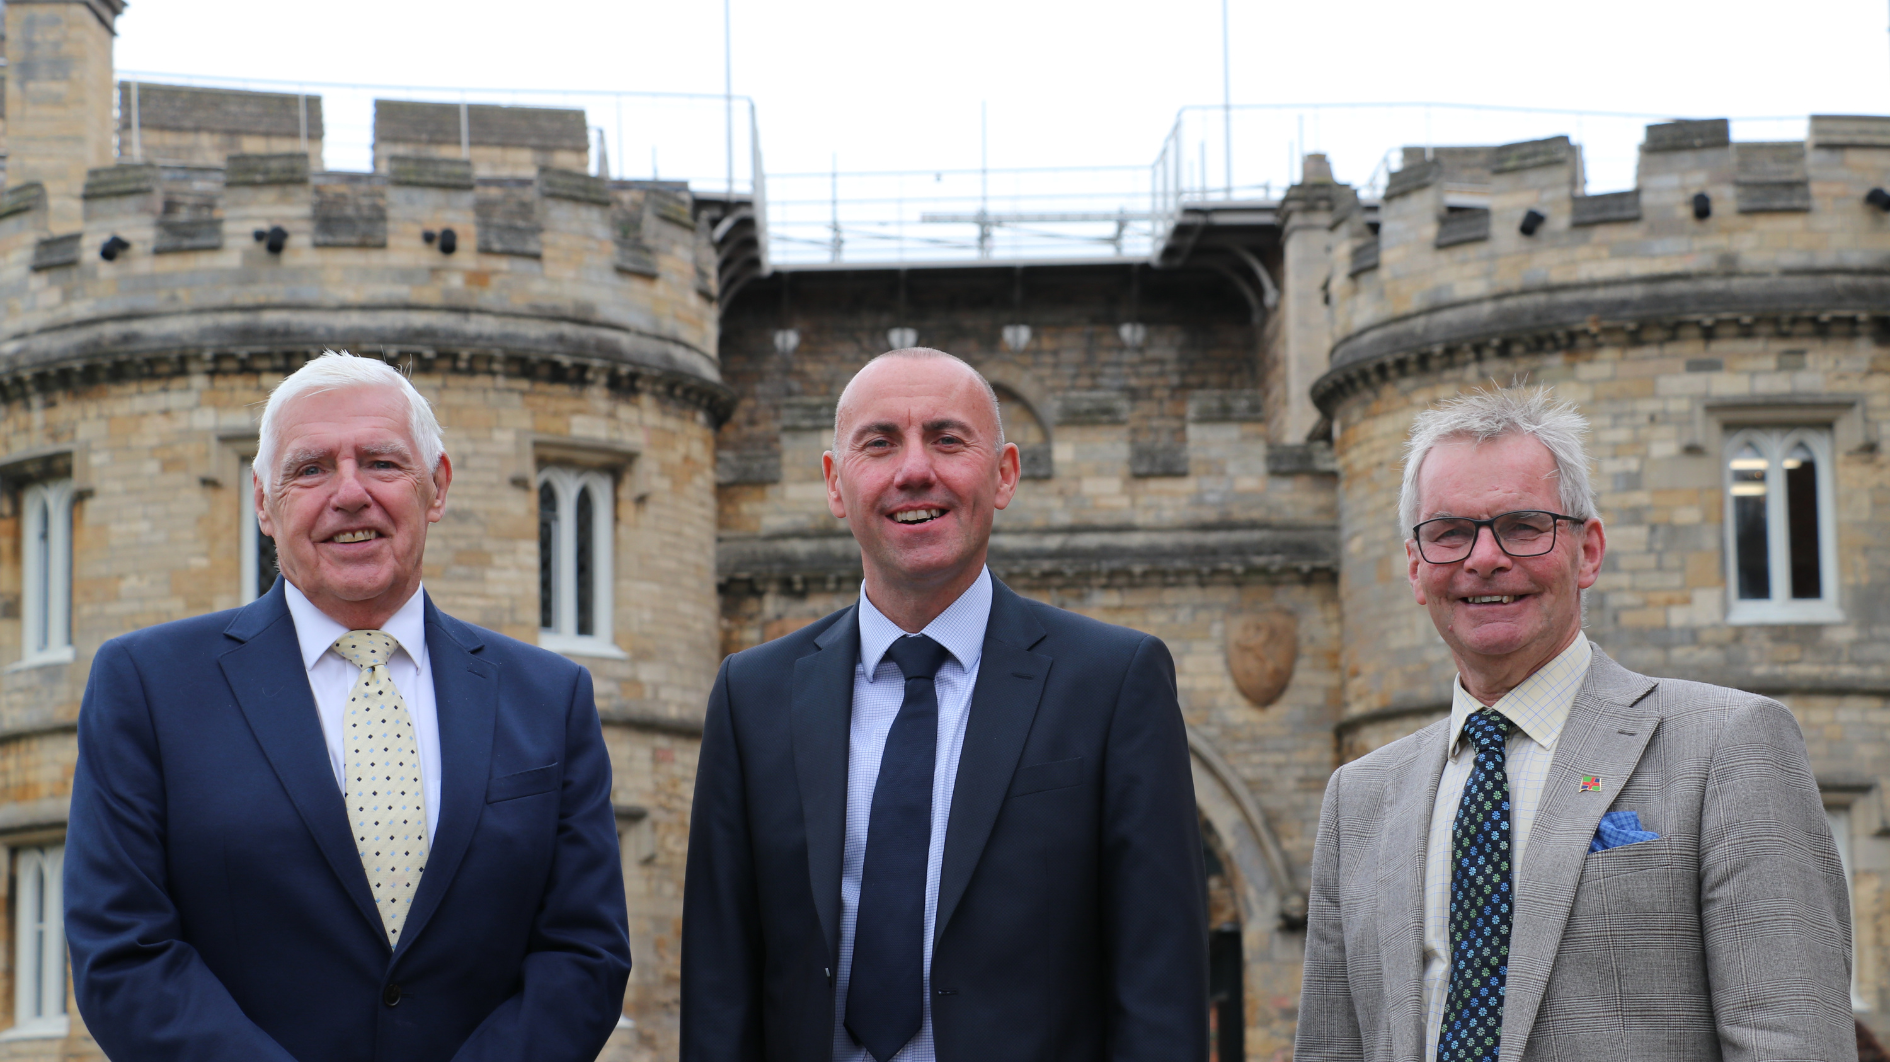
1486 556
915 472
350 494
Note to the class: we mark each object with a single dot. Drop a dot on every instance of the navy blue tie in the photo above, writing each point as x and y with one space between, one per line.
886 990
1480 908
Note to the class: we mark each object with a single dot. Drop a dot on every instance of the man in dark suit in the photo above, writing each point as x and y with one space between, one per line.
338 823
947 823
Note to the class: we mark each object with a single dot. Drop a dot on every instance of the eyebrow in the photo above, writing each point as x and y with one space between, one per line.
887 427
297 458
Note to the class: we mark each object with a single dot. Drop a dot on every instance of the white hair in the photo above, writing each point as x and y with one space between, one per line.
1483 415
335 371
925 354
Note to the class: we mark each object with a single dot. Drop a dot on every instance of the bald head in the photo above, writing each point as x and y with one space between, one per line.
888 362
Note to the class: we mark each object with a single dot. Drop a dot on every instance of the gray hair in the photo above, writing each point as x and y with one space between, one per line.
924 354
334 371
1491 414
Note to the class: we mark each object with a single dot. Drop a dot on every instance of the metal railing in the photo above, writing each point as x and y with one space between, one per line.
1211 155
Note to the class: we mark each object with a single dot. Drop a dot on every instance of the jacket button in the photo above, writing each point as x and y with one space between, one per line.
391 995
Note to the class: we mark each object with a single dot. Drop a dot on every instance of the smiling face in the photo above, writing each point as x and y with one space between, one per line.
918 474
1503 617
352 503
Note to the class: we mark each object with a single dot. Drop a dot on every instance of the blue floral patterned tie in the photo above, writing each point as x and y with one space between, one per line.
1480 908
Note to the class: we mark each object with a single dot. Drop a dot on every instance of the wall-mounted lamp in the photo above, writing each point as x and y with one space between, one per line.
901 338
1702 206
1531 221
449 241
786 340
113 246
1878 198
274 238
1016 336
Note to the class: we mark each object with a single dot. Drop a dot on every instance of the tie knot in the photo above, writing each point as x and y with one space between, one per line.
917 656
365 649
1488 729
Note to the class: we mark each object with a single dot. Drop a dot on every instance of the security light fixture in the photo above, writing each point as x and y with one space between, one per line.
275 239
1702 206
1531 221
1878 198
113 246
449 241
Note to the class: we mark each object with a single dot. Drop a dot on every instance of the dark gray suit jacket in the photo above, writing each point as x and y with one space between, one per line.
1728 937
1072 917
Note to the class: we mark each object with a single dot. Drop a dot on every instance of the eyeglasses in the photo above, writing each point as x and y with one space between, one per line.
1526 533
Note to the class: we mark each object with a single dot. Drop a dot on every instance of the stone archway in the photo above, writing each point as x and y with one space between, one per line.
1253 869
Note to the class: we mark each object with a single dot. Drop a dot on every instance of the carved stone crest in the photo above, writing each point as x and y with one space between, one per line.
1261 650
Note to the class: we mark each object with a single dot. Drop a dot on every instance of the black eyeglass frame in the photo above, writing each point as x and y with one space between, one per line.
1477 531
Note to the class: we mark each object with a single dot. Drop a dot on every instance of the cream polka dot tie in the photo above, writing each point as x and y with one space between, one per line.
386 804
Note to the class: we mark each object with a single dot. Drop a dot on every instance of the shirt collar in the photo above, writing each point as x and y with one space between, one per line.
960 628
316 631
1539 704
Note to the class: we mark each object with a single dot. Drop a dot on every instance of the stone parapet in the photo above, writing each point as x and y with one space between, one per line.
360 261
1786 237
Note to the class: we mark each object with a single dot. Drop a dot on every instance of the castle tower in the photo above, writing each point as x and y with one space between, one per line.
1722 325
59 96
563 326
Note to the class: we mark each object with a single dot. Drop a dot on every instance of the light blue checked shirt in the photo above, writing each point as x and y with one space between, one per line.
878 691
1538 706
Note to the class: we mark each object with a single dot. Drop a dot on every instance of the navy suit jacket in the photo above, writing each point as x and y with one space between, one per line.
1072 921
215 905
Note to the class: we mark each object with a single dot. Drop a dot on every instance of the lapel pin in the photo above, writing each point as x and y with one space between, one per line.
1591 783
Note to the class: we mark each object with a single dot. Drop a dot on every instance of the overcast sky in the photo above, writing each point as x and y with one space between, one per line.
879 84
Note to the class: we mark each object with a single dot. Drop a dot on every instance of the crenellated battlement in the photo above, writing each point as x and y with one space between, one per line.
262 253
1475 250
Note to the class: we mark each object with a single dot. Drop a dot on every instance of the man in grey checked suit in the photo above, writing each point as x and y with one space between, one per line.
1580 862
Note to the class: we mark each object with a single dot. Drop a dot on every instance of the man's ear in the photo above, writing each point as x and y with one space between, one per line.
263 521
442 479
1010 470
830 471
1411 556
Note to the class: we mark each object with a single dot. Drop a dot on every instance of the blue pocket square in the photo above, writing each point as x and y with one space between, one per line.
1619 828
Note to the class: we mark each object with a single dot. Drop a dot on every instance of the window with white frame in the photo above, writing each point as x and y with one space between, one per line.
46 573
258 551
576 527
1781 531
39 946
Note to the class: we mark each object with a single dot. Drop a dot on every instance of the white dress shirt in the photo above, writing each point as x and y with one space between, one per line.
1539 707
878 691
331 678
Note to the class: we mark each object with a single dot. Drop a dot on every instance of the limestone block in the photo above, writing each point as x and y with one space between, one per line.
266 169
1091 407
430 172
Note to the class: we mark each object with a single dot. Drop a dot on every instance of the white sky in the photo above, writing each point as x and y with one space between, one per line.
879 84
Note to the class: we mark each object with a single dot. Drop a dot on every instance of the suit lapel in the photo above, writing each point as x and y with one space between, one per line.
266 674
1408 825
466 697
1608 727
821 715
1003 706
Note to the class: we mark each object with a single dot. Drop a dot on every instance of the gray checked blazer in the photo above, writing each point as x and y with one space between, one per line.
1729 937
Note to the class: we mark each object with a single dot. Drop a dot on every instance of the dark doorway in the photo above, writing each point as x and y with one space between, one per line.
1227 1012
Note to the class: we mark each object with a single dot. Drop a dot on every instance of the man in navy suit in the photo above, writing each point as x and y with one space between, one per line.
946 823
338 823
